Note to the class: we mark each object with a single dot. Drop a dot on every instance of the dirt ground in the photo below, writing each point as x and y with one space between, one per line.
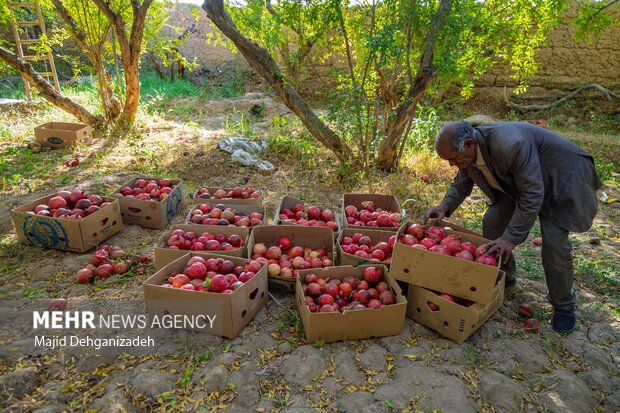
502 368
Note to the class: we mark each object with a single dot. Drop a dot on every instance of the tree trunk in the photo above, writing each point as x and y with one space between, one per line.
111 104
132 93
130 53
389 148
94 53
266 66
46 90
388 151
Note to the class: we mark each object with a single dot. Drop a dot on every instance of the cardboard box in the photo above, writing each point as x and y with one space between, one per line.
245 209
313 237
376 236
66 234
388 320
150 214
289 202
233 311
453 320
385 202
164 255
461 278
61 134
226 201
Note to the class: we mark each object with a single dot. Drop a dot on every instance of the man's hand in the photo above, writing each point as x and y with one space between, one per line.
500 246
436 214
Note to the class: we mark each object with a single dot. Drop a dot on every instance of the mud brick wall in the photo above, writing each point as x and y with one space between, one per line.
563 64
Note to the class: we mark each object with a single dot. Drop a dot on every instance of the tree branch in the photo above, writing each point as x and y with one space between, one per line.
260 59
117 23
426 70
558 102
46 90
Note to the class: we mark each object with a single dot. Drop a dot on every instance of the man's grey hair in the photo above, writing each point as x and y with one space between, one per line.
462 132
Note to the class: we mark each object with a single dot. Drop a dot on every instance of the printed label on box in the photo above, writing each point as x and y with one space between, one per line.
174 204
54 140
46 232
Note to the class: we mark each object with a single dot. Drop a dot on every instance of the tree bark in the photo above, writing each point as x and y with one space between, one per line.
130 53
388 150
93 52
46 90
266 66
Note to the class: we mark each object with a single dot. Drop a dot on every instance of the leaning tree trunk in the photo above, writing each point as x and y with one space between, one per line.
46 90
389 148
260 59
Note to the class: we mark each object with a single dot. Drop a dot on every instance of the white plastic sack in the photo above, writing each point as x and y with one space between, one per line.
246 152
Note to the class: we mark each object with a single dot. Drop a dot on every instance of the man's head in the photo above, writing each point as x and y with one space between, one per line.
455 143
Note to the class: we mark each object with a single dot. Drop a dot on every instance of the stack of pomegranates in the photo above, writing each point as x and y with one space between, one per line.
220 214
215 275
70 205
349 294
434 239
451 298
206 241
236 193
285 259
362 246
152 190
369 216
309 216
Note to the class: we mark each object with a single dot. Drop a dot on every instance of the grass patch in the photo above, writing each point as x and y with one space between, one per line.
601 274
529 262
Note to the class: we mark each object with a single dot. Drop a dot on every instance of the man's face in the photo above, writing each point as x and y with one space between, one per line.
462 160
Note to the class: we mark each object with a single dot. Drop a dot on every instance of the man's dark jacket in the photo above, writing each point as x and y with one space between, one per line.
541 171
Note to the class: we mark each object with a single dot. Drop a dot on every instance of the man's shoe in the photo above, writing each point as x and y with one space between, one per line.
564 321
511 280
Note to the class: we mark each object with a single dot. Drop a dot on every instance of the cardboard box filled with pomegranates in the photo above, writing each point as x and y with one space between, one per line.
349 303
293 211
371 211
361 245
179 239
445 260
452 317
150 202
289 248
224 292
215 213
72 221
238 195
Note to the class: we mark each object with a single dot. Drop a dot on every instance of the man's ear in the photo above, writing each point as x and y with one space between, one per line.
469 143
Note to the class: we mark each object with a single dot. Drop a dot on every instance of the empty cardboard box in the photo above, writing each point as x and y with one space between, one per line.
61 134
